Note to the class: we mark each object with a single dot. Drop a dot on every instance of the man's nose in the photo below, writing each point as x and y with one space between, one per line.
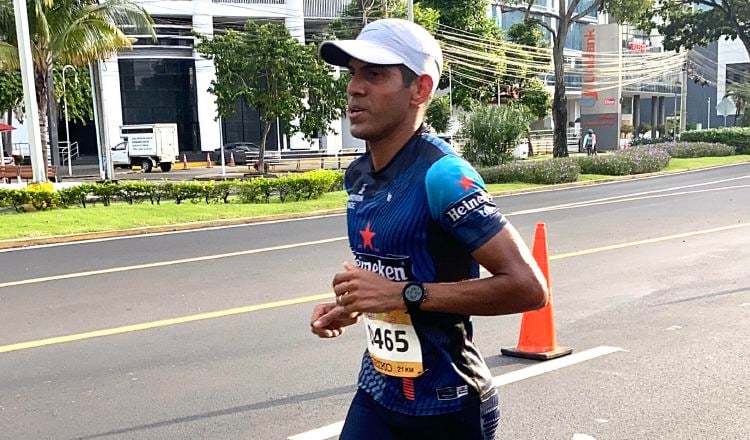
355 87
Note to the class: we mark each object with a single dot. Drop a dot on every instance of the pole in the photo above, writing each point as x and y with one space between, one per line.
67 128
97 125
410 10
683 100
39 169
708 115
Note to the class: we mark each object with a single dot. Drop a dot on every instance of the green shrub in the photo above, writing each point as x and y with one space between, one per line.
106 191
18 199
634 160
135 192
438 114
75 195
738 137
249 191
193 191
544 172
41 199
491 133
696 149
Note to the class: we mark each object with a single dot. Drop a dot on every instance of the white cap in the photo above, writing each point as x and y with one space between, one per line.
389 41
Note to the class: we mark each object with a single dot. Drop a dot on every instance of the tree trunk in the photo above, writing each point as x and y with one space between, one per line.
560 101
42 101
531 146
262 153
53 118
9 135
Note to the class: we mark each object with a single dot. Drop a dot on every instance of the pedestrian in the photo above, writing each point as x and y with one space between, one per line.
420 223
589 141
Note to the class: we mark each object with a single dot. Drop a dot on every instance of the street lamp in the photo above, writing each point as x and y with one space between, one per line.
67 129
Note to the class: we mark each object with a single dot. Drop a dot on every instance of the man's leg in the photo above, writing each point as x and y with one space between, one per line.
363 422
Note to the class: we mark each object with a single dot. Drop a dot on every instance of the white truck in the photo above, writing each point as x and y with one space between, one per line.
147 146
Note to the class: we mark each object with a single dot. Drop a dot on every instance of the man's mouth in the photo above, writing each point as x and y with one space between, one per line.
355 110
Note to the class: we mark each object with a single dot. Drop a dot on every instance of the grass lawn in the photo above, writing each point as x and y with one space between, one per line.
123 216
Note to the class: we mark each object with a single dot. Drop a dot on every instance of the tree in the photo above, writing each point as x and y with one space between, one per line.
471 16
492 132
275 74
360 12
438 114
567 13
74 32
11 100
77 93
684 26
740 94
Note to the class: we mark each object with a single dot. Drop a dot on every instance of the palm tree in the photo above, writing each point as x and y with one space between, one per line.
74 32
740 94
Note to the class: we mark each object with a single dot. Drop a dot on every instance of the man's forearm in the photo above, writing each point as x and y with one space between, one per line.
497 295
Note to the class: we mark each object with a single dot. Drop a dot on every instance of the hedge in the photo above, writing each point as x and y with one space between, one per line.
543 172
306 186
696 149
738 137
634 160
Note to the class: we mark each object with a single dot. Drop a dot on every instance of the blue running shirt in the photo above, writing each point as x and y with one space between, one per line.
419 219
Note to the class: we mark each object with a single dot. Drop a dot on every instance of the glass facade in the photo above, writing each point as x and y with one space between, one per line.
161 91
244 125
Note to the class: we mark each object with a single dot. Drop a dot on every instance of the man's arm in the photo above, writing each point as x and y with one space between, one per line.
516 285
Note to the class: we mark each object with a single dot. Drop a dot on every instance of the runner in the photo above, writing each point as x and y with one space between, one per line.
420 222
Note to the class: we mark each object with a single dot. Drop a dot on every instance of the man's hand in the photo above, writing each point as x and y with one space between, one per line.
362 291
329 320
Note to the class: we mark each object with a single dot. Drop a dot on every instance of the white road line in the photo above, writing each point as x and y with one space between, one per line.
334 429
549 208
325 432
156 234
167 263
329 240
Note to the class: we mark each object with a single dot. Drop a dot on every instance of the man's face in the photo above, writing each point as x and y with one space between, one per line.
378 100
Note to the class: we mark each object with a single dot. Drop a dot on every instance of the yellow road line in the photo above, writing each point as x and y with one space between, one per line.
162 323
647 241
307 299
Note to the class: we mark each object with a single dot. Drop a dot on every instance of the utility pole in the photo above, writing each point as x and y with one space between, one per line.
410 10
683 100
708 114
39 169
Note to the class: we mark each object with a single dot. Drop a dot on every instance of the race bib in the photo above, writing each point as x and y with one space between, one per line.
393 344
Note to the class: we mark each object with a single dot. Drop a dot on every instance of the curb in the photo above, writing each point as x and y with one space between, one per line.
58 239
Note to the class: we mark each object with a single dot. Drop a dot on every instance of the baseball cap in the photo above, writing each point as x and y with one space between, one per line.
389 41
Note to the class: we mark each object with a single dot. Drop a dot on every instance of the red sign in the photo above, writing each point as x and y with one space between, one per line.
609 101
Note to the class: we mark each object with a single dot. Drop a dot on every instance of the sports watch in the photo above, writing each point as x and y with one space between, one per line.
414 295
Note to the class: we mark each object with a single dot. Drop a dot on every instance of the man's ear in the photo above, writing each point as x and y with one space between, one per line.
421 90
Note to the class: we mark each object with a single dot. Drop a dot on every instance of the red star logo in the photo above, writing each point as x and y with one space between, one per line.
367 235
466 183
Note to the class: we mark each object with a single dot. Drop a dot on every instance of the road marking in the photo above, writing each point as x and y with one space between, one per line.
619 199
550 208
163 323
673 328
156 234
647 241
334 429
744 305
554 364
167 263
582 437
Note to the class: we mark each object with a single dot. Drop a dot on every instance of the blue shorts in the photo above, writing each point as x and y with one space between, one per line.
368 420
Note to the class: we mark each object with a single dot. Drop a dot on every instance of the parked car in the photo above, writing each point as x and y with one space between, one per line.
243 153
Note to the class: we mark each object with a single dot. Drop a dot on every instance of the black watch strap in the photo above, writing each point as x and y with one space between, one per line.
413 295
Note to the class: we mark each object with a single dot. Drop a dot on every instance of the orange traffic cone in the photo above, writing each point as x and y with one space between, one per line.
231 160
208 161
538 339
184 162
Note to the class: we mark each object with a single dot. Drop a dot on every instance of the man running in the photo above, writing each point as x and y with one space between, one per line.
420 223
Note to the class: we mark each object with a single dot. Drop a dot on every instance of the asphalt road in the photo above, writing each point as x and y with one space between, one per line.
656 268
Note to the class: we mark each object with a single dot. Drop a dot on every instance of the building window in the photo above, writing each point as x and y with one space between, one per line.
244 125
738 73
161 91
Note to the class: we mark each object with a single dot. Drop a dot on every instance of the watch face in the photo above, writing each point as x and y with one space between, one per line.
413 292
